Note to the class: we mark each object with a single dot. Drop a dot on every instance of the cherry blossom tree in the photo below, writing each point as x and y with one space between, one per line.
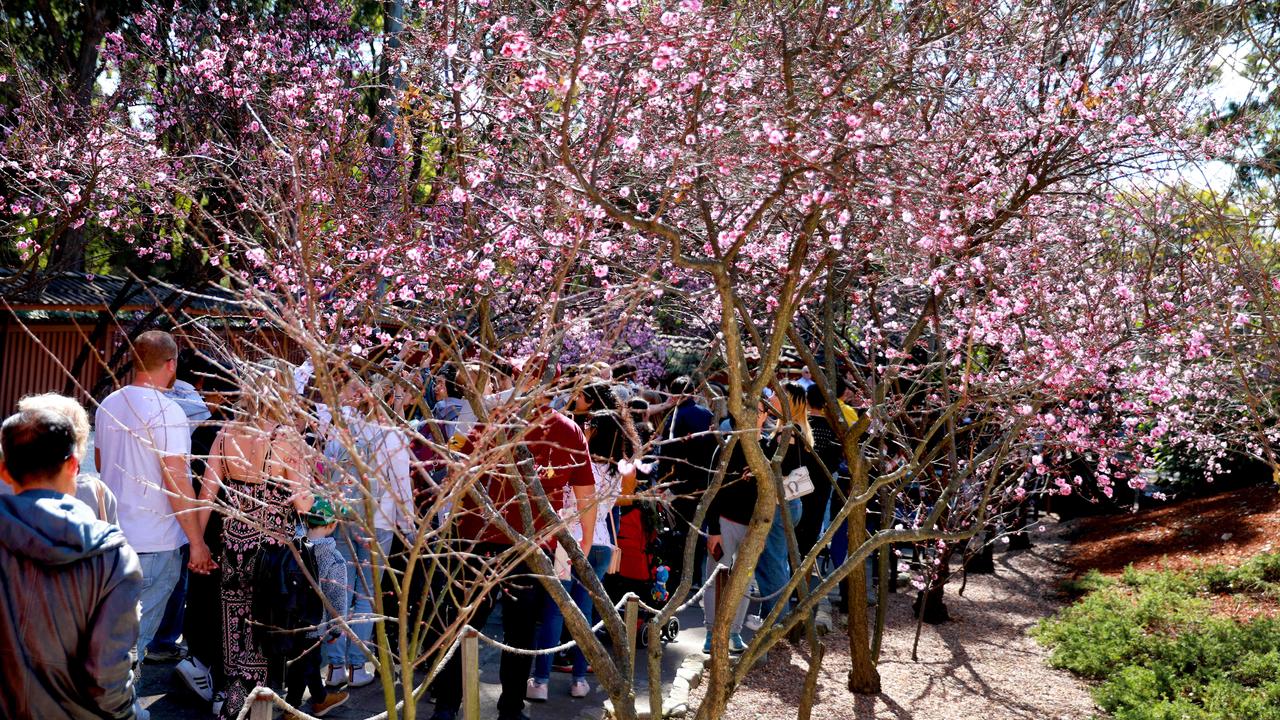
956 172
945 202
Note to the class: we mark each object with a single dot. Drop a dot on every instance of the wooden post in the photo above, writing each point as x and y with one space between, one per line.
633 620
260 705
470 674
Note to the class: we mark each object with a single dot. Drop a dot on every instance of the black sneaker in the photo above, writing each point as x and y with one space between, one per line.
519 715
444 715
164 655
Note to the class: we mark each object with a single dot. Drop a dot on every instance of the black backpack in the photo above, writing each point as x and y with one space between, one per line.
286 605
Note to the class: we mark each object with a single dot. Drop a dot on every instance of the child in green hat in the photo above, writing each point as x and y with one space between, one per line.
321 523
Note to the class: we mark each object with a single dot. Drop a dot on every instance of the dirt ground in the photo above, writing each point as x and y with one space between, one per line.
1223 529
981 665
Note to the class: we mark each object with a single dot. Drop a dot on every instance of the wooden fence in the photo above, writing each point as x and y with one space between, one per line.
38 357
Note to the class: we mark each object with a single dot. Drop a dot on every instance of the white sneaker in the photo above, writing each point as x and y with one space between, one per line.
219 700
196 676
754 622
337 676
536 691
359 677
579 689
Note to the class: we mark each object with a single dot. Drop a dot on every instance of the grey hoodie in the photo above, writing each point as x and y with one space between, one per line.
69 587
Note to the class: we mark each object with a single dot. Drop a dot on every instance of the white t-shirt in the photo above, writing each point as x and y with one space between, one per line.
608 488
134 428
390 460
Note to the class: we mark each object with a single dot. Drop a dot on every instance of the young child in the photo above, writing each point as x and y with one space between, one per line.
332 575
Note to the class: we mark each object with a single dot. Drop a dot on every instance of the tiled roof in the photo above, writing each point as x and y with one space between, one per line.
700 346
85 291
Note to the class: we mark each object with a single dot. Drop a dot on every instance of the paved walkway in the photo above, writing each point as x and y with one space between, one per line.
168 698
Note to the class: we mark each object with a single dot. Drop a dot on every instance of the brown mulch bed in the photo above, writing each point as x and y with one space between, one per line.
1224 529
1244 608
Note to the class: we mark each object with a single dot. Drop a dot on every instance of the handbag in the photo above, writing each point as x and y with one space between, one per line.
615 549
562 564
797 484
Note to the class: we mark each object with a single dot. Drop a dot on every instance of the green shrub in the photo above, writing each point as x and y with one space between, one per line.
1157 652
1268 567
1090 581
1258 669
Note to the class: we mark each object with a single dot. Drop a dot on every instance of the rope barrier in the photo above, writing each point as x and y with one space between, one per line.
690 602
703 590
532 653
618 605
262 694
553 650
766 598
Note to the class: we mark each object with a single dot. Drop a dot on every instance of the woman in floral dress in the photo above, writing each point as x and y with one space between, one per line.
259 461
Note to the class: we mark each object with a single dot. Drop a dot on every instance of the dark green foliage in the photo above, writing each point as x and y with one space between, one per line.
1157 652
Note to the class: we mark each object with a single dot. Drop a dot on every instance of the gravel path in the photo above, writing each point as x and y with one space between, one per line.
983 665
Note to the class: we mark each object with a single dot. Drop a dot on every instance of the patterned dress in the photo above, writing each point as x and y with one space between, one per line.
260 513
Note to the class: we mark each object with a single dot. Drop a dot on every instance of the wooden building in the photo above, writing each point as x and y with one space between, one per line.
70 335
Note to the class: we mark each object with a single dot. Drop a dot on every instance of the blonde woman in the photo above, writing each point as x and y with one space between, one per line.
789 407
89 490
259 461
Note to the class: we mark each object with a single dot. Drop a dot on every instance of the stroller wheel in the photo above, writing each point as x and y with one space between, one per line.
671 630
642 637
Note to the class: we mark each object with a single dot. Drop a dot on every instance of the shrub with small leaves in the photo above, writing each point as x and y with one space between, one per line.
1157 651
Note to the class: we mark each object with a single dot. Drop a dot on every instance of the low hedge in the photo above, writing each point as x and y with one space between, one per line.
1156 651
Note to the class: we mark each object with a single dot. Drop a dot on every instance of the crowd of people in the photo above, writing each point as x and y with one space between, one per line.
213 495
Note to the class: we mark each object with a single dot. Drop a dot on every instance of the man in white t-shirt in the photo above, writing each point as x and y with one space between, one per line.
142 441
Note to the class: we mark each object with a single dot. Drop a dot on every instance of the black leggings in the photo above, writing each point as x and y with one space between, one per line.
521 596
305 672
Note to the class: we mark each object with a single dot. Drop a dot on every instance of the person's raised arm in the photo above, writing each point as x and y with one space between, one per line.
292 468
586 497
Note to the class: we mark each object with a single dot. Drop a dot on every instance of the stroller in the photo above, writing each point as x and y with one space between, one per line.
642 570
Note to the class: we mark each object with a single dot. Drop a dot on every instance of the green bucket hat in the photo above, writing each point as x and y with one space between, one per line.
321 513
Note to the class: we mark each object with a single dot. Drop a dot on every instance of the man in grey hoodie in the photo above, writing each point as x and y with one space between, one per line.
69 584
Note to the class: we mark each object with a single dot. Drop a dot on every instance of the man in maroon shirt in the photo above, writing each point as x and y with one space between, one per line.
560 463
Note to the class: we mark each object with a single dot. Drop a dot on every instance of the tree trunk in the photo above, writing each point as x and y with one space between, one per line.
863 678
1020 539
932 599
982 562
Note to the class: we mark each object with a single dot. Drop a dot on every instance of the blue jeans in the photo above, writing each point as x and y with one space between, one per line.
773 569
175 611
351 545
160 573
553 621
